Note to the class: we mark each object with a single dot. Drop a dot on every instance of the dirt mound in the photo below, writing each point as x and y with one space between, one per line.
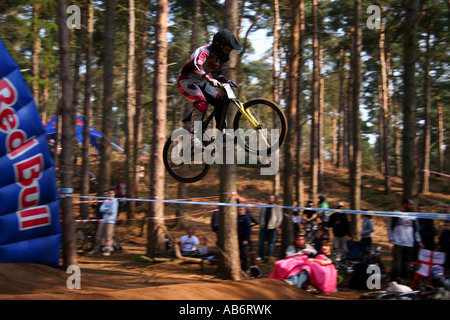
33 281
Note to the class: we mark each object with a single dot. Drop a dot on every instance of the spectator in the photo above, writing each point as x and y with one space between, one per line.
189 244
300 247
244 233
309 219
215 220
320 238
446 208
324 214
296 218
309 215
427 229
270 219
253 222
403 232
366 231
339 222
121 192
301 270
444 244
105 231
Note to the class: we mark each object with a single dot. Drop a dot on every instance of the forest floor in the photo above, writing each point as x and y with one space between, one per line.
125 275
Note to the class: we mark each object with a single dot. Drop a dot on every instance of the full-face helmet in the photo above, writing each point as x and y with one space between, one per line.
223 42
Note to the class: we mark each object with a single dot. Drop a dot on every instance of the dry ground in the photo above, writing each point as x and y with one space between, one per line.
126 276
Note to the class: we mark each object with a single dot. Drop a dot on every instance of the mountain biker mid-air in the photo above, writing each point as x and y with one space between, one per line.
202 73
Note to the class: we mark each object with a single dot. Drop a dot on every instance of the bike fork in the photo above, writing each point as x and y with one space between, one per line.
248 115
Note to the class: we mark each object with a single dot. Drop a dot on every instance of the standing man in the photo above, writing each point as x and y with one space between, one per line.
244 233
339 222
324 214
427 229
366 231
270 219
403 232
105 231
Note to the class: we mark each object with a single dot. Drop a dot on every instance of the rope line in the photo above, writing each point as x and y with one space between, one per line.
437 216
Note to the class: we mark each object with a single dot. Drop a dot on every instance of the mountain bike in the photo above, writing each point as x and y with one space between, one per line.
260 119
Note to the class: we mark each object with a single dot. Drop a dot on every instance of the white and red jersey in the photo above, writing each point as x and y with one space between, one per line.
204 61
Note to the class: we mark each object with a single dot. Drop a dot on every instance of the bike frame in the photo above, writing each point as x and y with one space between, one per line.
231 97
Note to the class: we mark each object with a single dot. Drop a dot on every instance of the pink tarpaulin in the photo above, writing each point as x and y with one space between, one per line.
322 277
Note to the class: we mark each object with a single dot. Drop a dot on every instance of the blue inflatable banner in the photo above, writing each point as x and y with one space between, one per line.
29 213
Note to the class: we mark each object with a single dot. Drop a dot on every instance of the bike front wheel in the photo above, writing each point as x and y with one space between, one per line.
272 129
182 163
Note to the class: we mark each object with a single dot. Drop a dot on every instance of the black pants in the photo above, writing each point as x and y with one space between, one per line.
402 260
243 254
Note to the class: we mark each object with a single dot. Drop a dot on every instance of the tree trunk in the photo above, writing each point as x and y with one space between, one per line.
229 264
355 167
425 174
276 78
409 99
342 116
288 174
299 174
140 80
385 116
107 113
315 105
182 192
321 156
156 244
130 111
36 50
397 133
440 130
68 134
85 181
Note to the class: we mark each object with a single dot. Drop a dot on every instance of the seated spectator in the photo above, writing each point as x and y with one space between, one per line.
190 247
302 270
300 247
189 244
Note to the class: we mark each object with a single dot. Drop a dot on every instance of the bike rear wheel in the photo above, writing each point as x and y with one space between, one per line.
270 116
177 162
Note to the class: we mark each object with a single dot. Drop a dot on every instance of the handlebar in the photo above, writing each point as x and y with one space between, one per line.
228 89
224 84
